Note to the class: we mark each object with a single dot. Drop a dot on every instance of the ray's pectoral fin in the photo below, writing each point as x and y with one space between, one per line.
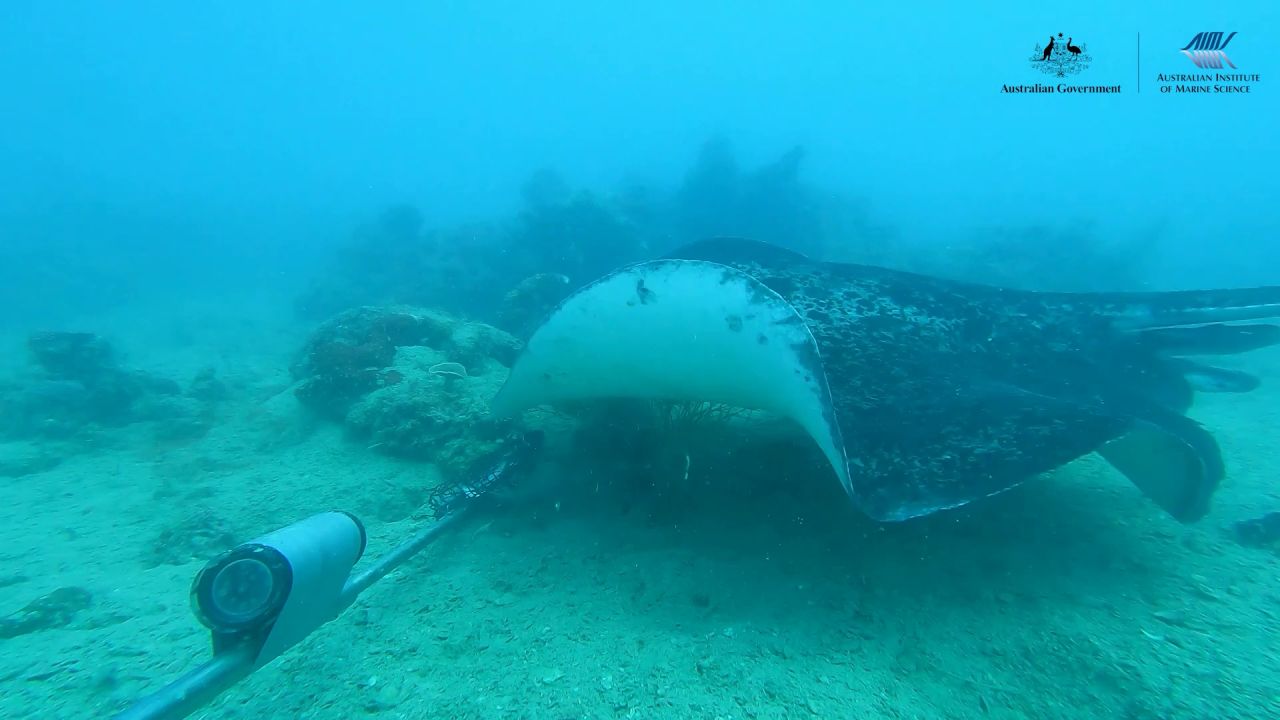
956 442
983 439
1172 460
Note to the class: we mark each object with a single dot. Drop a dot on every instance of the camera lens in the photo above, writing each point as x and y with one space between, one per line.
243 589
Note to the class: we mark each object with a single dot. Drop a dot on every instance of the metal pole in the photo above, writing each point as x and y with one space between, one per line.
197 688
394 558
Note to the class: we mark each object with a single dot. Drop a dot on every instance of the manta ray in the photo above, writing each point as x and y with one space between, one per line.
923 393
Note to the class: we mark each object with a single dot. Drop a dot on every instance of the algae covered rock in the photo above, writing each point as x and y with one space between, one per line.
409 382
79 386
1259 532
348 356
44 408
207 387
54 610
72 355
531 300
197 537
437 410
475 344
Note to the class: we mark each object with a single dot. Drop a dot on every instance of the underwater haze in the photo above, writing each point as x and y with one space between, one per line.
977 456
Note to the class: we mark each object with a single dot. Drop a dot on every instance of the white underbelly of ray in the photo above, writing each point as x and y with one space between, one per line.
679 330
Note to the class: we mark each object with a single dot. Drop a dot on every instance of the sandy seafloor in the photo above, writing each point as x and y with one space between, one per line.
1070 597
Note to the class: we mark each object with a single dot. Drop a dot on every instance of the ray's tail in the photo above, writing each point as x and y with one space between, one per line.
1144 311
1170 457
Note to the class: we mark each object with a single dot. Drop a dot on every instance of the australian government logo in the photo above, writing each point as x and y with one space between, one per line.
1061 58
1208 51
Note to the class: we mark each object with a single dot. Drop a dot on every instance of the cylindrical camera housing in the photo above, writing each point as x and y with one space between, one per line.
282 585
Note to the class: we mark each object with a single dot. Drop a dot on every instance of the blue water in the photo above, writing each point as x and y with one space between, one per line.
206 187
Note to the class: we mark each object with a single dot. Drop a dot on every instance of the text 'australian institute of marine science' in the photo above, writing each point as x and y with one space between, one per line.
1212 83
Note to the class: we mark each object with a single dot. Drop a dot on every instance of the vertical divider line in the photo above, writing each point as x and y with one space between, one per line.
1139 62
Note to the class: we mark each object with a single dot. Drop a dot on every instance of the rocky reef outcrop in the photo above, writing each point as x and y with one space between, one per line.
531 300
80 385
410 382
